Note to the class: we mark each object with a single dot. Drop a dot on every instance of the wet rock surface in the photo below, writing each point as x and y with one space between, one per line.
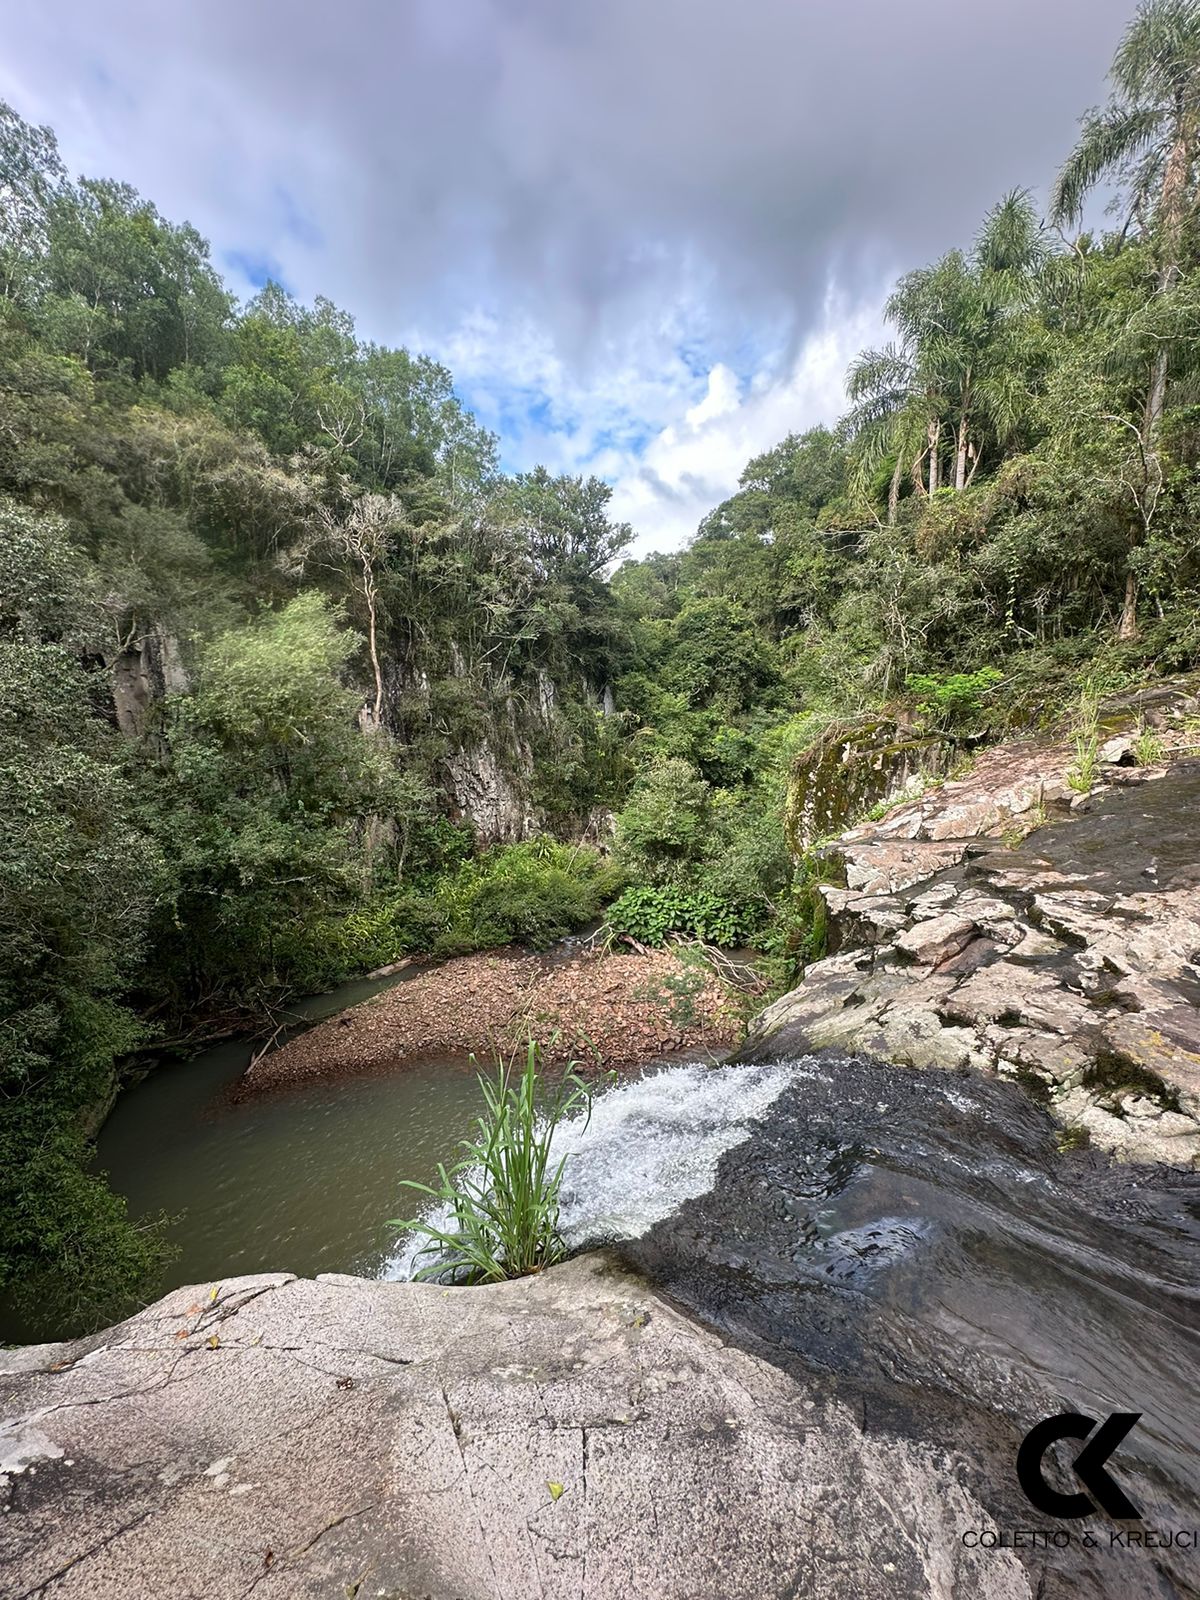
918 1242
971 929
572 1435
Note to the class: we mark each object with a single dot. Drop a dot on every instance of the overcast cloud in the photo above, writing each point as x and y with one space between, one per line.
646 235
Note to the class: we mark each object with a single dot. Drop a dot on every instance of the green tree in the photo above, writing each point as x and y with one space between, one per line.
718 656
125 289
954 372
31 176
262 809
78 881
663 827
1148 138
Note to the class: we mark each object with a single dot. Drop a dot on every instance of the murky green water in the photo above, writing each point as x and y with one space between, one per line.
303 1180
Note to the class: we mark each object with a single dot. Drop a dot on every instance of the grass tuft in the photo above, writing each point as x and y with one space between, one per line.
503 1192
1086 730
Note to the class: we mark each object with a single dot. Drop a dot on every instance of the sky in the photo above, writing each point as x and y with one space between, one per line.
646 236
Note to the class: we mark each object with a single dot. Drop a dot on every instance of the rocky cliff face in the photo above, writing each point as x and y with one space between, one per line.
485 740
144 676
971 929
489 796
853 766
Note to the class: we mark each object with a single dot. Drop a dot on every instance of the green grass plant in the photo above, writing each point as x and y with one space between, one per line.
1086 733
503 1192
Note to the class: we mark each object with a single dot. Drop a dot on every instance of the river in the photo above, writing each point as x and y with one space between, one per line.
919 1241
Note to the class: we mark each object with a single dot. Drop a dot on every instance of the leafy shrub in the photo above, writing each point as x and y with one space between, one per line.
648 913
955 700
530 893
664 826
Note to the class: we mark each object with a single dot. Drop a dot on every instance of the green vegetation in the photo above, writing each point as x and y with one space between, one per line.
502 1196
531 894
294 681
1086 738
1148 747
649 914
956 701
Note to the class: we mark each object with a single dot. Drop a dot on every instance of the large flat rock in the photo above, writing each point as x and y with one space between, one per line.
966 936
571 1435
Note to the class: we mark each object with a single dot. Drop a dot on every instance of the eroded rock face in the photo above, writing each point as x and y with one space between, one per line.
853 765
488 796
1069 959
570 1435
142 677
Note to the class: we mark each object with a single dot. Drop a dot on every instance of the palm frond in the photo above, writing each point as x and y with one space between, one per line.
877 372
1108 139
1010 243
1159 54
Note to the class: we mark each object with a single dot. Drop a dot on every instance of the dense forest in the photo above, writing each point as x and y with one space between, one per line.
294 680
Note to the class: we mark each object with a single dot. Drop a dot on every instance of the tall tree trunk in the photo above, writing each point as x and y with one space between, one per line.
369 592
1127 629
960 451
935 465
1172 210
894 490
960 457
1156 399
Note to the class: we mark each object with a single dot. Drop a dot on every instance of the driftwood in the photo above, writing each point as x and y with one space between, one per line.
737 974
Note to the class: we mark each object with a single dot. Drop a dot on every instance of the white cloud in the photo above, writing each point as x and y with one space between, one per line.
722 396
694 463
670 439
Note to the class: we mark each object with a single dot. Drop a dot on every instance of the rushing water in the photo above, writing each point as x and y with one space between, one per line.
915 1241
646 1147
918 1242
306 1179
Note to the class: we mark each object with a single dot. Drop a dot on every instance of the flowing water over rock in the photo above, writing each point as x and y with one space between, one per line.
913 1243
919 1242
920 1239
912 1248
647 1147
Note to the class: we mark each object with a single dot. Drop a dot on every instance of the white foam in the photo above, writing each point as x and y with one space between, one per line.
649 1146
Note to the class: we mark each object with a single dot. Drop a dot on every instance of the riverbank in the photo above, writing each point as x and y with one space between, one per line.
603 1009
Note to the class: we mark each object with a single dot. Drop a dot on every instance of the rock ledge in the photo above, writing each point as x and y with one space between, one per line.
1066 956
570 1435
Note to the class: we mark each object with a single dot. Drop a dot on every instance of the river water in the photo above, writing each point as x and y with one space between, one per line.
915 1241
307 1179
303 1180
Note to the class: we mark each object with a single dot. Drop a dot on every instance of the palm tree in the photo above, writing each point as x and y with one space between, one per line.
884 420
1148 136
952 366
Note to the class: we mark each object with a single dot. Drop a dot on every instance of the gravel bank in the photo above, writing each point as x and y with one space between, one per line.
607 1010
